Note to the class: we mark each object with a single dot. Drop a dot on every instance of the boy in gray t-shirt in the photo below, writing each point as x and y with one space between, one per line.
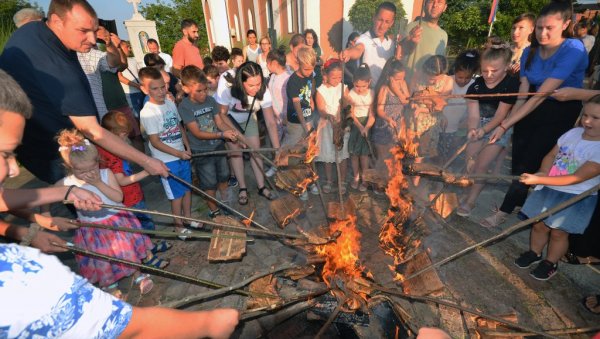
199 113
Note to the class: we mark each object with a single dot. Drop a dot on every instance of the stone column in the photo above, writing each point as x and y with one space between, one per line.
140 30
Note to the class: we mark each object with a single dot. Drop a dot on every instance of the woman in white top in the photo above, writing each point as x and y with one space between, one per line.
520 34
265 48
240 97
252 50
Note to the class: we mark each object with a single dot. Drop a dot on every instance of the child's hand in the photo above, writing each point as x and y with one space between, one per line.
392 123
230 135
185 155
84 200
223 322
62 224
91 177
529 179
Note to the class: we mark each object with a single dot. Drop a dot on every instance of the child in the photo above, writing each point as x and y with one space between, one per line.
237 57
392 94
361 99
212 76
291 59
252 50
168 143
82 162
572 167
485 114
427 120
277 86
265 48
199 113
455 112
220 56
328 99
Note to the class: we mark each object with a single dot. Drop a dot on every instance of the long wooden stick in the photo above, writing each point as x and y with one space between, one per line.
227 151
206 222
205 295
158 271
217 201
552 332
196 235
329 321
476 96
256 313
464 309
509 230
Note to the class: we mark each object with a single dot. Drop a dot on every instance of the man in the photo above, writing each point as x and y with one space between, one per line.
425 39
26 15
374 46
41 57
154 48
186 52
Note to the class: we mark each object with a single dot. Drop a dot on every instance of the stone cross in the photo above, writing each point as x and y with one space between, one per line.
135 4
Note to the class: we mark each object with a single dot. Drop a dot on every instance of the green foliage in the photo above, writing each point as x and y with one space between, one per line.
168 21
361 14
8 8
7 27
465 21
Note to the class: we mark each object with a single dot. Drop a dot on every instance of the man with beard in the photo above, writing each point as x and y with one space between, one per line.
426 38
186 52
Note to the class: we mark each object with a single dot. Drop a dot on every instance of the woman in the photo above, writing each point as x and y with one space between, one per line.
265 48
553 61
240 98
312 40
252 50
520 33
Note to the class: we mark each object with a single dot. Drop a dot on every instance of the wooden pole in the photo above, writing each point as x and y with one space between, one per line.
227 151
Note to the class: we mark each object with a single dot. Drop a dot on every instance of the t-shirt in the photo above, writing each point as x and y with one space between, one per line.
42 298
132 194
204 115
185 53
376 53
573 152
433 42
488 106
238 111
114 96
131 74
568 63
277 87
302 88
455 110
53 80
164 121
588 42
93 64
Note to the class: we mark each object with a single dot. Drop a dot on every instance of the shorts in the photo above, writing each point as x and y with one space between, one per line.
573 219
211 170
173 188
503 141
145 220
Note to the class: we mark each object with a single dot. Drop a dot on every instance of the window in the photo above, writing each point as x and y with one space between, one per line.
290 16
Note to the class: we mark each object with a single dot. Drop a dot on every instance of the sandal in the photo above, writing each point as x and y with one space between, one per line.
156 262
261 192
354 184
145 282
571 258
243 199
113 289
328 187
464 211
161 246
595 308
494 220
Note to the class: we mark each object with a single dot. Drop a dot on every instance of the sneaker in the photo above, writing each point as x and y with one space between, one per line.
327 188
233 182
314 189
214 214
525 260
362 187
271 172
304 196
544 271
196 224
463 211
183 232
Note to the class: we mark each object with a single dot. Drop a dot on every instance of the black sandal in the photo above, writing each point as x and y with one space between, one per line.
261 192
243 199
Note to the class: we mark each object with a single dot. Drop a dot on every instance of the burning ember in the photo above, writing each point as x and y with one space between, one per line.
313 148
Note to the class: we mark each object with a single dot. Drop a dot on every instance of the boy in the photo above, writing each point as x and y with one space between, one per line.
212 75
220 56
168 142
300 91
237 57
199 113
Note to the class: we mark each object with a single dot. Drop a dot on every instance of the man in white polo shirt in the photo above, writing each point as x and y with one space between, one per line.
373 46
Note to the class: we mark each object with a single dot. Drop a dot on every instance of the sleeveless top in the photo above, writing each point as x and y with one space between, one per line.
362 103
94 216
331 96
252 54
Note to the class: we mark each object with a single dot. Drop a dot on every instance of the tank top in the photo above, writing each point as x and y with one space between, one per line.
93 216
252 54
362 103
332 96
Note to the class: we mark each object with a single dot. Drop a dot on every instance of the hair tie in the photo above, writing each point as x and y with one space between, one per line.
83 147
78 148
470 55
501 46
330 62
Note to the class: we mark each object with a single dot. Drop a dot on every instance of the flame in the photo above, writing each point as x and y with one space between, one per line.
313 148
248 221
341 256
291 216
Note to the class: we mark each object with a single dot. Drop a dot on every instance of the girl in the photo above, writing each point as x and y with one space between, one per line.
361 99
351 65
520 34
312 40
252 50
572 167
265 48
328 99
82 161
277 84
291 59
392 94
486 113
552 61
455 112
427 120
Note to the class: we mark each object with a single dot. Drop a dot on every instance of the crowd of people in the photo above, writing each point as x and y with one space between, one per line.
93 107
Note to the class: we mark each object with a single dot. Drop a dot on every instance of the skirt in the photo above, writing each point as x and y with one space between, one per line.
573 219
382 133
326 147
122 245
357 144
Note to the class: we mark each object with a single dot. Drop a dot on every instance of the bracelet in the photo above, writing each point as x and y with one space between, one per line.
69 191
503 128
221 134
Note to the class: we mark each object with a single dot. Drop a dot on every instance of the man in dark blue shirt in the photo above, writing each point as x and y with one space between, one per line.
41 57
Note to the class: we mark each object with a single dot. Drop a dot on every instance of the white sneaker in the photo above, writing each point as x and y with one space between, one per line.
304 196
196 225
183 232
314 189
271 172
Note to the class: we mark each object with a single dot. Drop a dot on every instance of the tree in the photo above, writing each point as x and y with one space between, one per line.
8 8
168 21
361 14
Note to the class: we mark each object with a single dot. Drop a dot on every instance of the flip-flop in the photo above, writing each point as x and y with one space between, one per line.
591 309
156 262
161 246
571 258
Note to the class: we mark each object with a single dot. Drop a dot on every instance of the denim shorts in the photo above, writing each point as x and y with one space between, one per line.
503 141
173 188
211 170
573 219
